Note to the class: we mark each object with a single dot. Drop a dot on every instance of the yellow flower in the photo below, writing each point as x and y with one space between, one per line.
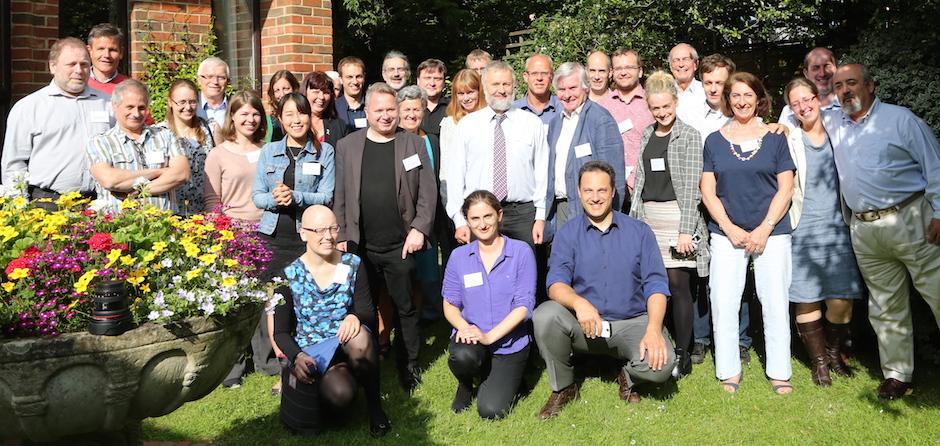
8 232
145 288
127 260
81 285
68 200
192 274
226 235
228 281
19 273
129 203
230 262
19 202
8 286
158 247
192 250
113 256
59 237
148 256
135 280
215 248
207 259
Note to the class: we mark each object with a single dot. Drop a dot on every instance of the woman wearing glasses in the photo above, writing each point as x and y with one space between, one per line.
667 197
824 265
489 293
197 138
324 326
747 183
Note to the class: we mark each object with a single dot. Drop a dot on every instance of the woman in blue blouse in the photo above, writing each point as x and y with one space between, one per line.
747 183
322 327
293 173
489 292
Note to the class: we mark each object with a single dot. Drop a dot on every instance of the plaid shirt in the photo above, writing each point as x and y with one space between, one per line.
119 150
684 156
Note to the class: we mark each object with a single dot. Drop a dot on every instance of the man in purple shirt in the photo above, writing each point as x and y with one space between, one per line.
608 289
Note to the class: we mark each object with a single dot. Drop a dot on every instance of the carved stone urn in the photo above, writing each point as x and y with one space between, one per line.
77 388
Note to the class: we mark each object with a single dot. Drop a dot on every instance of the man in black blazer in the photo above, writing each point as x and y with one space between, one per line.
385 200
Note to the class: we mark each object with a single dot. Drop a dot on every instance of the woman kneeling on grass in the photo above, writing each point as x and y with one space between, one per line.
489 292
320 328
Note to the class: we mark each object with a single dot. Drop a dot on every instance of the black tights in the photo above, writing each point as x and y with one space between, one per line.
680 285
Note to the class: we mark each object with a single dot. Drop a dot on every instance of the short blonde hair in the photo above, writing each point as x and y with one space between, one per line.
661 82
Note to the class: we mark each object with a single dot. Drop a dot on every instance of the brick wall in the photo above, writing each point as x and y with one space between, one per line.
34 27
166 22
296 35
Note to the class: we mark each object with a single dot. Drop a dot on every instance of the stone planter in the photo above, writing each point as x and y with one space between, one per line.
77 387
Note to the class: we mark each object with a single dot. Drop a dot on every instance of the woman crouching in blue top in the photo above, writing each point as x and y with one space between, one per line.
747 184
489 292
322 328
293 173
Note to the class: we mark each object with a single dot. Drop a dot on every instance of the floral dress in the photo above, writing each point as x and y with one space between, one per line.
189 195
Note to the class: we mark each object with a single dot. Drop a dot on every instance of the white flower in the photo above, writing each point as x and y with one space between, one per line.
208 307
166 313
177 279
153 315
168 263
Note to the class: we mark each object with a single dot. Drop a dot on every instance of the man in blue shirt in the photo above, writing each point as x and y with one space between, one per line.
539 99
889 172
608 289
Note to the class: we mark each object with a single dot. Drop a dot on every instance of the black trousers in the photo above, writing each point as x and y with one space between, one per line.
518 219
397 274
500 375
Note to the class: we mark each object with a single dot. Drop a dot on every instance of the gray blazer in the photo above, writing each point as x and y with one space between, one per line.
685 168
416 188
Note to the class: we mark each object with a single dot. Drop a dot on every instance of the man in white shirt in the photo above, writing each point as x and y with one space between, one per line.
213 77
683 62
501 149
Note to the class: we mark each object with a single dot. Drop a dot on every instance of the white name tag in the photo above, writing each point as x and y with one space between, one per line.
625 126
99 116
360 123
253 156
473 279
580 151
411 162
749 146
341 273
155 157
658 164
311 169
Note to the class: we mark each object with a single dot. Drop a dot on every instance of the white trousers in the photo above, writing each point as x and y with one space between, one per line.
772 273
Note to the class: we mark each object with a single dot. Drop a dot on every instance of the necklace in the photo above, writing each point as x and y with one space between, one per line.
753 153
294 155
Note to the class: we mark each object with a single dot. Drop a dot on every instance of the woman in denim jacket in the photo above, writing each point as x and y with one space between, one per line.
293 174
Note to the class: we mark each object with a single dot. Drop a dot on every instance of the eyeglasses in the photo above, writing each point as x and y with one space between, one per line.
210 77
333 230
802 102
394 70
184 103
626 67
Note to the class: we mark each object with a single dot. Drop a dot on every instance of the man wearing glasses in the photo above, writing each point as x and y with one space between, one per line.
395 70
627 104
213 76
538 97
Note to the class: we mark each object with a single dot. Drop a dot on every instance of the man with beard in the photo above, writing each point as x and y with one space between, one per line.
395 70
501 149
818 67
888 161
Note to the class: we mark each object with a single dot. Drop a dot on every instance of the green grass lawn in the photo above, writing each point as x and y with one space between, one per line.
694 411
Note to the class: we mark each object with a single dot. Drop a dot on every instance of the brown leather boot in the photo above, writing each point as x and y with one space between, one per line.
558 400
836 335
811 333
626 391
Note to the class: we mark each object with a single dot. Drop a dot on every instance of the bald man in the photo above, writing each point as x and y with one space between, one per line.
539 99
599 74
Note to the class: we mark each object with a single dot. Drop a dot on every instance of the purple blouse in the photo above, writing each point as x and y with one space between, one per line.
485 299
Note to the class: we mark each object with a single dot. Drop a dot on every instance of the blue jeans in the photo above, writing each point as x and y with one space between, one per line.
702 323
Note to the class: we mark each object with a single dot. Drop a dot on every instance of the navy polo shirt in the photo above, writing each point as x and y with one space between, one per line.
616 270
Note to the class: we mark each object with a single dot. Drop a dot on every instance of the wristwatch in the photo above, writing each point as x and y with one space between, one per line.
770 223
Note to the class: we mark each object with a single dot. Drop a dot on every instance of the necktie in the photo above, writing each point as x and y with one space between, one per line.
500 185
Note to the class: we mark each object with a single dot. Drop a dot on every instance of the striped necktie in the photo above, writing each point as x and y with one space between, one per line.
500 185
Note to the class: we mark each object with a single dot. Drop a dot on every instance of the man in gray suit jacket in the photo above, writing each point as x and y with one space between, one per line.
385 201
584 131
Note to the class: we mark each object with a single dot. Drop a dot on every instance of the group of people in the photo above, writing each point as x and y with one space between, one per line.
620 197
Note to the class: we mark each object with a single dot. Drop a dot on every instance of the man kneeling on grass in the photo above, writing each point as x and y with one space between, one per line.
608 289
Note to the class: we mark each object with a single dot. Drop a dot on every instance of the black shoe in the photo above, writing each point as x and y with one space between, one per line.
379 425
462 399
232 383
745 354
683 364
698 353
409 378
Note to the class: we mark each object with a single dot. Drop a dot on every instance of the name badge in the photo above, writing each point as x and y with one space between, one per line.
749 146
411 162
472 280
658 164
253 156
625 126
360 123
582 150
99 116
154 157
311 168
341 273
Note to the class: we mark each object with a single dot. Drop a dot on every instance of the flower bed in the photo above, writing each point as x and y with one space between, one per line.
177 268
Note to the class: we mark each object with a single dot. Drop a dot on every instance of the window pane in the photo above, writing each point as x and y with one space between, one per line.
234 19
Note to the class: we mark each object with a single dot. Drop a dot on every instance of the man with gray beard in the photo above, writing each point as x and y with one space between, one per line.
502 149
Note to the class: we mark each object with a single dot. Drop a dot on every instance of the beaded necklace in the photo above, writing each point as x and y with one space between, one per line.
753 153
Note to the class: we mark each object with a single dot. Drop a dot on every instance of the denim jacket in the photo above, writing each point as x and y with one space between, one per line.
308 189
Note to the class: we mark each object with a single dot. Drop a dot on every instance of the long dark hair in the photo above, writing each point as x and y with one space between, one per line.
303 106
318 80
171 122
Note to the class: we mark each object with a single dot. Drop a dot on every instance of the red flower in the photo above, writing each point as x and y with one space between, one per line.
30 252
87 212
120 246
19 262
100 242
223 222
